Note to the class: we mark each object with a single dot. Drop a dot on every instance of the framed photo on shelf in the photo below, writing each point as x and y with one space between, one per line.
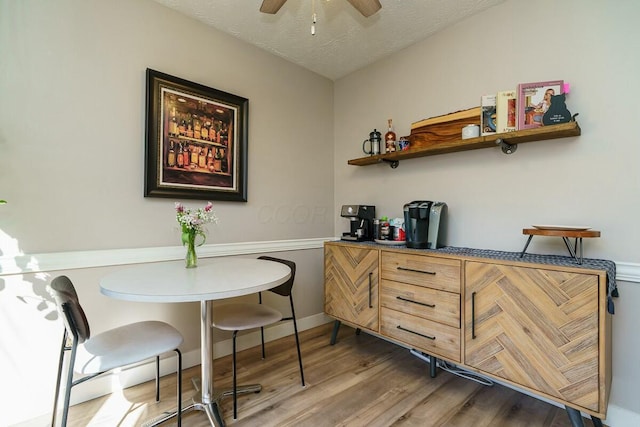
196 141
534 100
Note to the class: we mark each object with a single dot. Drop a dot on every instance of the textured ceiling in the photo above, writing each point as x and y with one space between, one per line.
344 41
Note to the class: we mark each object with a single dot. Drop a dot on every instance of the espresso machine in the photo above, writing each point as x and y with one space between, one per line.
360 222
425 224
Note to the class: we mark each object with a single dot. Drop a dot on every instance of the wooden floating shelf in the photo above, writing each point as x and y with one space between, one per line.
563 130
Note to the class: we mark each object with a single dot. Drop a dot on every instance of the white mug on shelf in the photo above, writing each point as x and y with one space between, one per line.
470 131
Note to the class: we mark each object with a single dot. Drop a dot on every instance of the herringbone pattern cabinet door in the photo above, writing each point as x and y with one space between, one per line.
534 327
351 285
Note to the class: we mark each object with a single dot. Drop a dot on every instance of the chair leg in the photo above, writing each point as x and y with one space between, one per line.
179 379
157 378
67 391
295 329
261 328
59 379
233 366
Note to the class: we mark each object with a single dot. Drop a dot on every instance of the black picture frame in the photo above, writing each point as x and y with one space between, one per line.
196 140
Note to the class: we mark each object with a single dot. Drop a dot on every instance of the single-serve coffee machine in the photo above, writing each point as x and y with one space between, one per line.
361 222
425 224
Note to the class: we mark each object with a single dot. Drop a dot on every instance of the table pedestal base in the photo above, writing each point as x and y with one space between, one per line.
212 409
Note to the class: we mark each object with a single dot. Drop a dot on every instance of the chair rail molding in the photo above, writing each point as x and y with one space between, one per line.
628 272
55 261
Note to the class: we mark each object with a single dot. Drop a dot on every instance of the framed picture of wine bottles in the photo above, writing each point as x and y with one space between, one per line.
196 141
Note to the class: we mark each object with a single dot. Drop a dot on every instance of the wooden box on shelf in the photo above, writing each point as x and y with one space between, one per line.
448 127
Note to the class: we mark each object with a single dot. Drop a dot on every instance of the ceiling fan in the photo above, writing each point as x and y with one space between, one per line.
365 7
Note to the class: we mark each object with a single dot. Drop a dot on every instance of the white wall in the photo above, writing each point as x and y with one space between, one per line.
72 113
590 180
72 127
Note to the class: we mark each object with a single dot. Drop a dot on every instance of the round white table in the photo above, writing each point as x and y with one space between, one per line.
213 279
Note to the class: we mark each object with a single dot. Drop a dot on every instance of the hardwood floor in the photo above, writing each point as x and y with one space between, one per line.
361 381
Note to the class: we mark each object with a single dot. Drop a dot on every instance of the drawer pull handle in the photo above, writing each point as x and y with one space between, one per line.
416 333
416 302
370 294
473 315
417 271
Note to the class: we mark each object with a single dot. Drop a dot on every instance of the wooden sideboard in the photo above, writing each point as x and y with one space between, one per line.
540 327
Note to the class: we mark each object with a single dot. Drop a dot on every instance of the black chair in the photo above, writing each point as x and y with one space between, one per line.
244 316
93 356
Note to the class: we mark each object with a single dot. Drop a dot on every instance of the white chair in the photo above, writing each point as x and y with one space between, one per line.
244 316
93 356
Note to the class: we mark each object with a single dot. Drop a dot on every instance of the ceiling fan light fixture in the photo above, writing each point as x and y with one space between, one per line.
271 6
313 17
313 24
365 7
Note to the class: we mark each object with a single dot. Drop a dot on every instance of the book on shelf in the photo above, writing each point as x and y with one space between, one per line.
534 100
487 114
506 117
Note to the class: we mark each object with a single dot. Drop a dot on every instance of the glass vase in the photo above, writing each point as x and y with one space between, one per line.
191 259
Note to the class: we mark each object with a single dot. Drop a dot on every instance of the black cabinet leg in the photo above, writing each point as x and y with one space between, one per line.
433 362
597 422
358 331
575 417
334 334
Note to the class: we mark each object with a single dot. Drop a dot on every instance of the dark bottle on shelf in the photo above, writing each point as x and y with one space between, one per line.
185 155
210 160
197 127
212 131
190 127
194 155
217 161
224 132
182 128
173 123
171 157
204 132
202 159
180 158
224 161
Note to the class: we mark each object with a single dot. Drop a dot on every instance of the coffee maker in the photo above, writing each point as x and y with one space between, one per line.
437 225
425 224
361 222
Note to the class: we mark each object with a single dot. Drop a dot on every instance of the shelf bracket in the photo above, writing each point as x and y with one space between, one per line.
506 147
393 163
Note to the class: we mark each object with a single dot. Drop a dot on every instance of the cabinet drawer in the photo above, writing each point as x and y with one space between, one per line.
421 270
439 306
426 335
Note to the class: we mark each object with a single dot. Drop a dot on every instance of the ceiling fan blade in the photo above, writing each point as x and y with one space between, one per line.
272 6
366 7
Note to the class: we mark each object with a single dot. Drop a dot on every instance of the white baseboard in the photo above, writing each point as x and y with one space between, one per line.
620 417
